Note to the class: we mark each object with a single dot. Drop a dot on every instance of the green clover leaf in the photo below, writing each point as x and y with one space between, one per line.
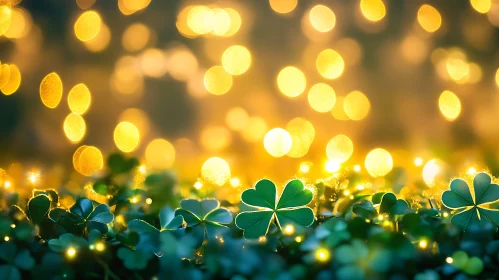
205 215
134 260
290 209
471 205
167 221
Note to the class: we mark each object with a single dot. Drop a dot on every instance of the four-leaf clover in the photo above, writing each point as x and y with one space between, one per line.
290 209
472 204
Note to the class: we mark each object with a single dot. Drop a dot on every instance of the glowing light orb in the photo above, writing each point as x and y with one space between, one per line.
277 142
433 170
200 19
51 90
79 99
236 60
339 148
76 157
322 18
235 22
378 162
330 64
449 105
74 127
221 22
160 154
321 97
215 171
429 18
283 6
217 81
126 137
101 41
356 105
135 37
91 161
237 118
322 254
373 10
291 81
481 6
14 81
4 75
87 26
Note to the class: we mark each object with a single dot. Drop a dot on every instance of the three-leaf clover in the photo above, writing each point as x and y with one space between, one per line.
290 209
205 214
83 215
472 205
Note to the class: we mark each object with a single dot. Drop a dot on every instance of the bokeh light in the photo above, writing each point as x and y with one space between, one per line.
322 18
135 37
429 18
356 105
378 162
87 26
74 127
236 60
339 148
79 99
126 137
51 90
277 142
291 81
160 154
330 64
237 119
283 6
14 81
449 105
373 10
217 81
321 97
216 171
91 161
481 6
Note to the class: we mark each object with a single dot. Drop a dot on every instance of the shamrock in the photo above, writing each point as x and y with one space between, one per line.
82 215
65 241
387 203
472 207
14 259
206 215
289 209
134 260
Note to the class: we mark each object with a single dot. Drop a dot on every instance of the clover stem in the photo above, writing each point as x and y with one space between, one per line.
108 272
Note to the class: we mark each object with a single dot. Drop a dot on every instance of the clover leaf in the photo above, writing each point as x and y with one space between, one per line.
15 260
289 209
65 241
133 259
83 215
472 207
205 215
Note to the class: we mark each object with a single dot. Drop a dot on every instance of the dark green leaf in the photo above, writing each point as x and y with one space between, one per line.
38 207
82 207
141 226
101 214
296 217
24 260
294 195
9 272
220 215
263 195
364 209
254 223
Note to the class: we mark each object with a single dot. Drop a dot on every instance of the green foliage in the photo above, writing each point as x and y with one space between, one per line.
205 215
290 209
472 208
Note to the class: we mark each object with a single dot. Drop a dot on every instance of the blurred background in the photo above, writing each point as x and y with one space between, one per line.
267 88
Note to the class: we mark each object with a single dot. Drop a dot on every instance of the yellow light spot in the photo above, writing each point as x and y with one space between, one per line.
13 225
360 187
85 4
51 90
7 184
221 22
357 168
445 214
449 260
356 105
450 105
255 130
79 99
457 66
134 200
33 177
135 5
418 161
289 229
277 142
143 169
332 166
215 138
160 154
216 171
423 244
148 201
322 18
200 19
101 41
283 6
217 81
235 182
74 127
87 26
4 75
236 60
120 219
91 161
497 76
338 111
471 171
339 148
152 63
5 11
321 97
135 37
378 162
373 10
14 81
126 137
481 6
99 246
20 24
298 239
235 22
322 254
198 185
237 118
330 64
291 81
76 157
302 133
71 252
429 18
138 117
380 217
430 171
262 239
346 192
6 239
305 167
